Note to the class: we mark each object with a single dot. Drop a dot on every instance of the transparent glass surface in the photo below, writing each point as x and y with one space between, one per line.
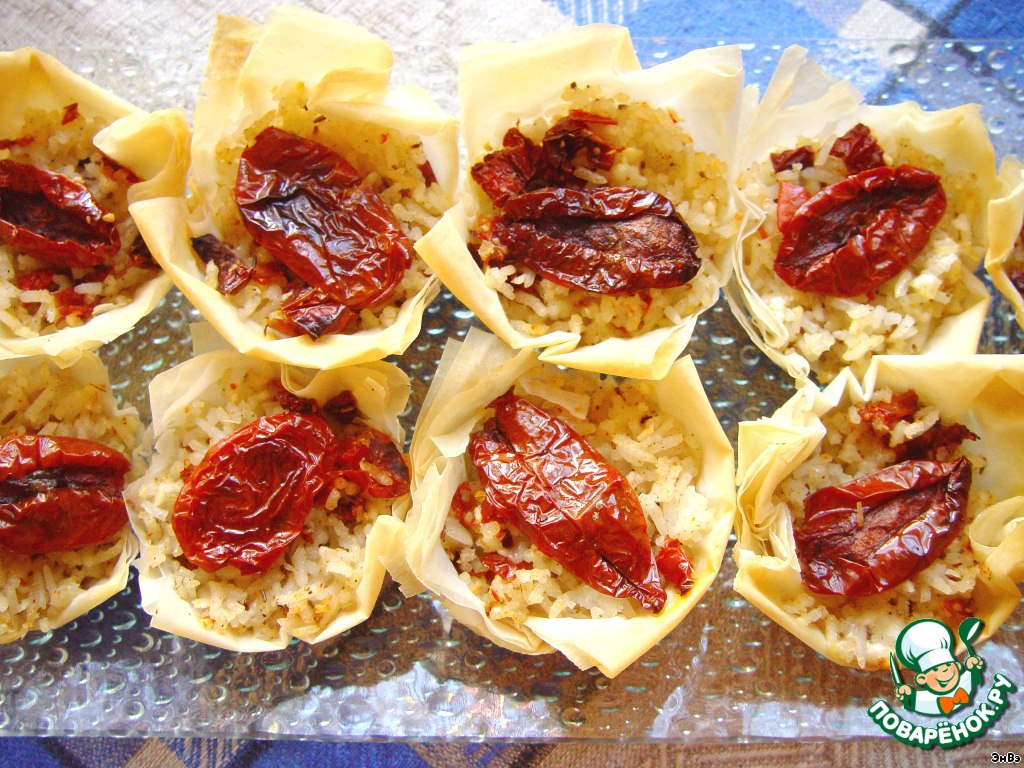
727 673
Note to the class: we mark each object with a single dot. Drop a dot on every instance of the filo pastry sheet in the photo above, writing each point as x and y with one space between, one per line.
322 67
152 145
804 332
982 392
41 397
470 376
507 85
1005 226
197 395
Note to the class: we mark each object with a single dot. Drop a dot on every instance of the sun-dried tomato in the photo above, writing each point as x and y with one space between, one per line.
500 565
542 477
782 161
572 141
507 171
521 165
71 303
858 149
309 311
938 442
854 235
37 280
53 217
463 503
305 204
883 415
609 240
272 273
232 272
874 532
21 141
59 493
292 402
791 197
675 566
114 170
370 460
249 497
342 407
139 255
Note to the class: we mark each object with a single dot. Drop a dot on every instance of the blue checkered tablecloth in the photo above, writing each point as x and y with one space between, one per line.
727 20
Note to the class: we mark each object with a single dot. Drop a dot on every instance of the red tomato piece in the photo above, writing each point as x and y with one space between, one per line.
304 203
876 531
53 217
791 197
609 240
309 311
782 161
675 566
855 235
373 463
858 149
249 497
542 477
59 493
232 272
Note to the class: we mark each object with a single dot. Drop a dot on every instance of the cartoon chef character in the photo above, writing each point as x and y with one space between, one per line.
926 646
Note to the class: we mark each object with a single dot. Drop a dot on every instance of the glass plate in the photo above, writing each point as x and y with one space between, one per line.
728 673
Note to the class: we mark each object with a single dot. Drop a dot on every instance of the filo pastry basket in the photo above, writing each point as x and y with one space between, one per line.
662 436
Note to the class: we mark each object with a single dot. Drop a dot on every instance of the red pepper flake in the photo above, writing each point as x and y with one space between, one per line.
428 173
70 113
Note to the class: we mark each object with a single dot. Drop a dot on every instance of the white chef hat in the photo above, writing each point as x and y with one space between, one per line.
925 644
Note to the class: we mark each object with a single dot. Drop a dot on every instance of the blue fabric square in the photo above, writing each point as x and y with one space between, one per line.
296 754
980 19
27 752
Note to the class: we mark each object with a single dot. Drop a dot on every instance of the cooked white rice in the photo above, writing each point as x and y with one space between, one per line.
305 589
621 421
29 309
657 155
832 333
943 590
36 589
392 164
